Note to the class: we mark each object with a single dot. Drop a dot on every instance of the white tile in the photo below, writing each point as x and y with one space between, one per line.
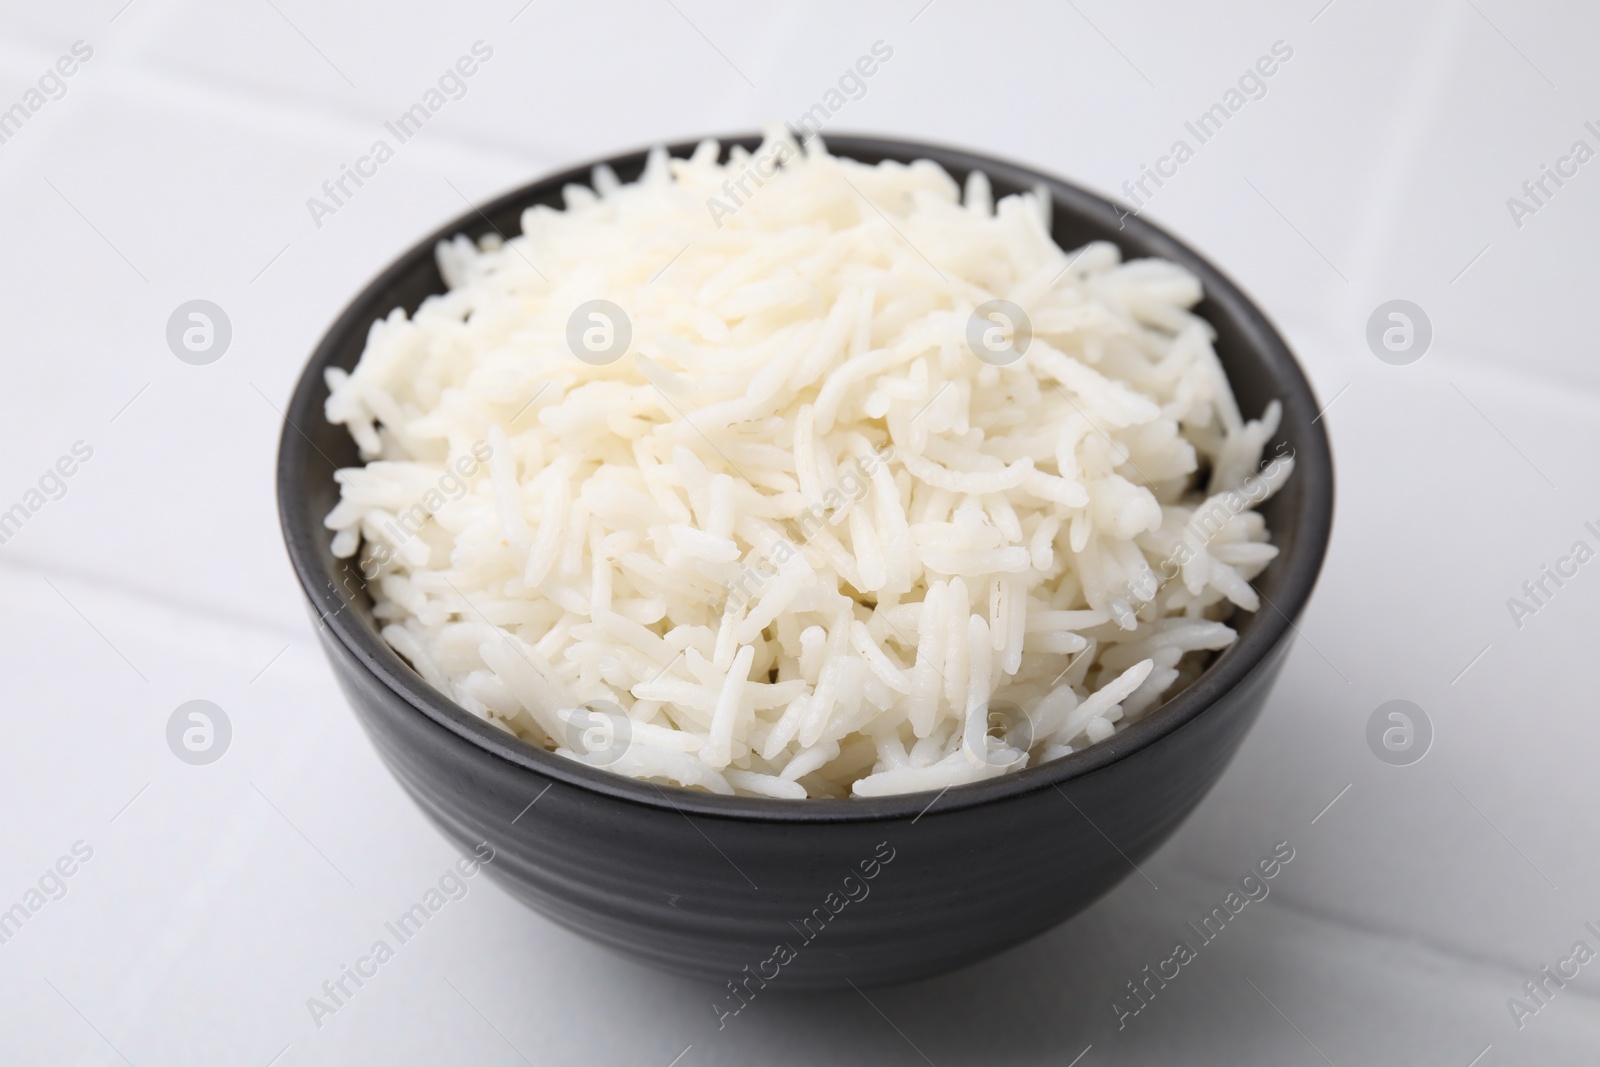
1377 165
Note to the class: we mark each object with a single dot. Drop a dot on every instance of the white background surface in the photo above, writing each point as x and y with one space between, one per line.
1377 166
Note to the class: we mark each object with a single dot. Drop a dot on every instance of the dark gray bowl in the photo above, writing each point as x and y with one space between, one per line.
810 893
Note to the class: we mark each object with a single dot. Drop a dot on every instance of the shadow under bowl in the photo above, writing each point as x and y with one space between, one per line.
810 893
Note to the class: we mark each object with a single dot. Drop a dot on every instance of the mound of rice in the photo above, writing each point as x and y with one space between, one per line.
799 540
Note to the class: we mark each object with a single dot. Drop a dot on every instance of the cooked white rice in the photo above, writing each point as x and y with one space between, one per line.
799 539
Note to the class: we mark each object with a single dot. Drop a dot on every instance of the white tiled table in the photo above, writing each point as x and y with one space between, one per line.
1377 166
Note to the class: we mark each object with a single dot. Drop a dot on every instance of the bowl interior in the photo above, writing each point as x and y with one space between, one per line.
1258 363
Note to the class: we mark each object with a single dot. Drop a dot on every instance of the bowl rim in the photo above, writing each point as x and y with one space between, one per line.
306 539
